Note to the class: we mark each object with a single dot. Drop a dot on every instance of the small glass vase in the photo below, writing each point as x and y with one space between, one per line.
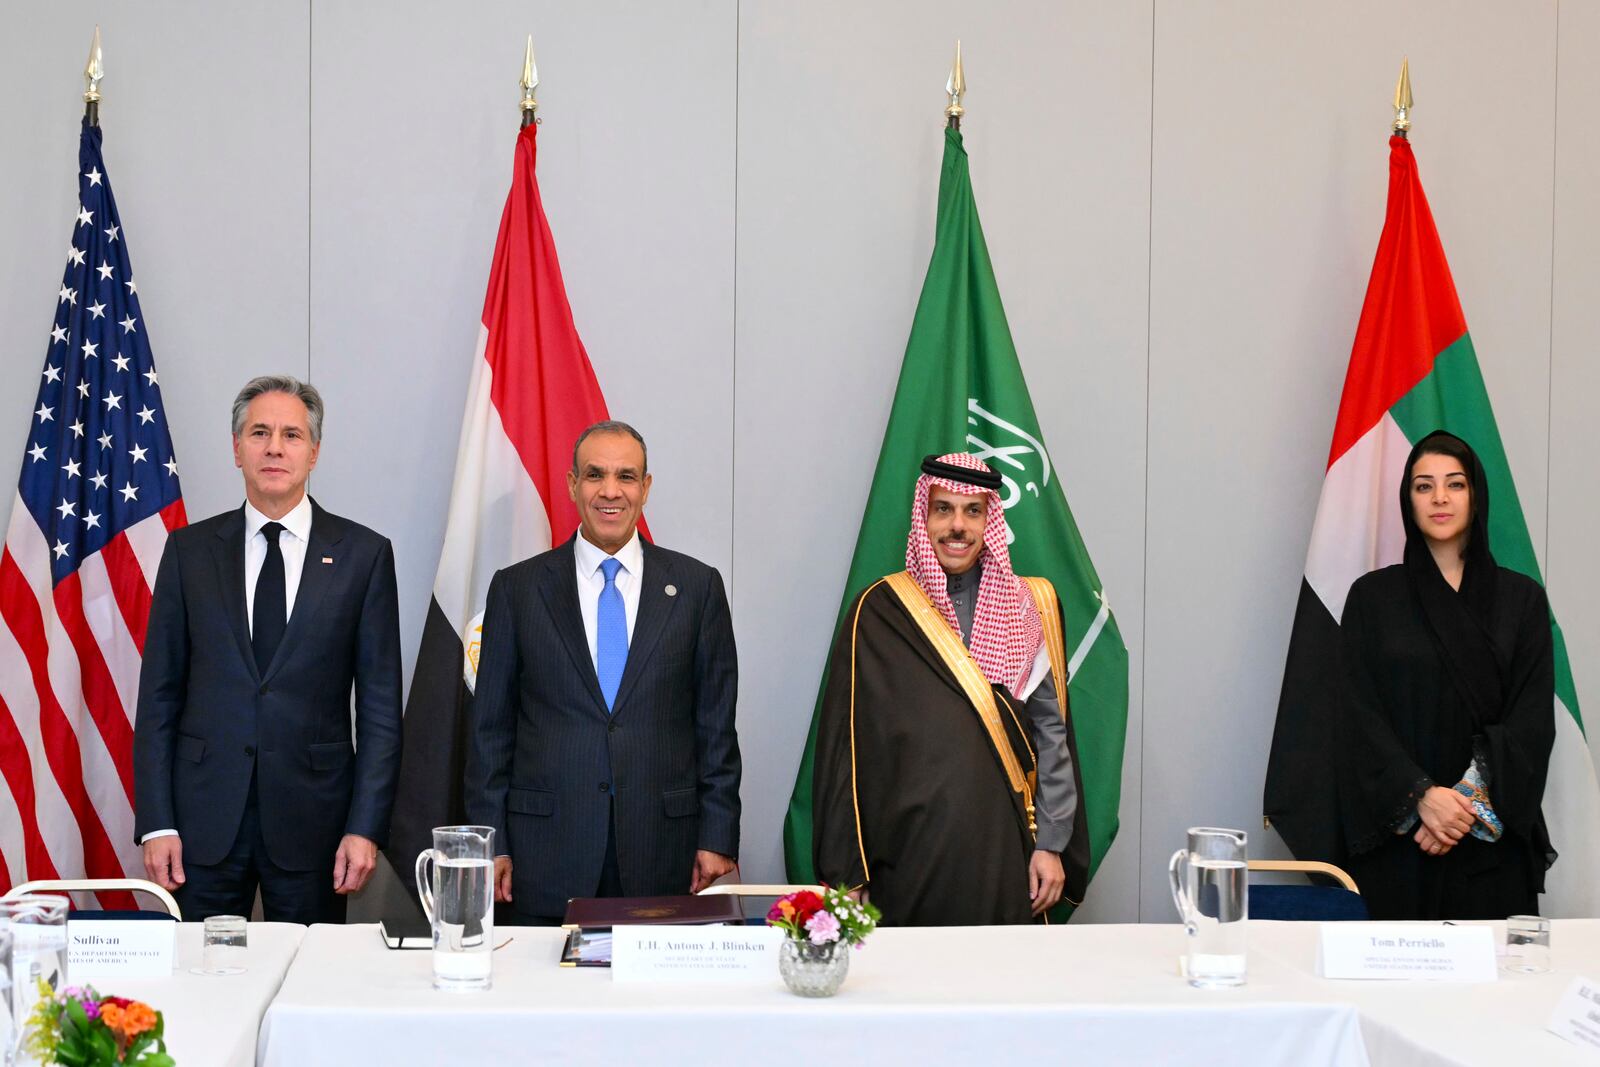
813 970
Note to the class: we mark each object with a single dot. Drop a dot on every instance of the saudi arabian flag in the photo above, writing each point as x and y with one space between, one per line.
1412 371
962 387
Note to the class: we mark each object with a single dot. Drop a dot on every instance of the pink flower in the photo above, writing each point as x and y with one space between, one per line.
823 927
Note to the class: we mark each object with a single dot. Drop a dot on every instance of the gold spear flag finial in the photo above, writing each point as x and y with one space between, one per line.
530 81
956 87
94 71
1402 98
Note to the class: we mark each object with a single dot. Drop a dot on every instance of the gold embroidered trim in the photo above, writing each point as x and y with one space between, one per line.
1049 606
970 677
1031 777
855 799
1031 753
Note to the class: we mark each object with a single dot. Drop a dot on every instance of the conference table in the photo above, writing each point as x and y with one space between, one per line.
1077 994
213 1019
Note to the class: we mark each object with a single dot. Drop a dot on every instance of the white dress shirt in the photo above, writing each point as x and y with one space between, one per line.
591 580
292 543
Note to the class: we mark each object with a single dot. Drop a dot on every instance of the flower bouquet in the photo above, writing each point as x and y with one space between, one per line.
819 927
80 1028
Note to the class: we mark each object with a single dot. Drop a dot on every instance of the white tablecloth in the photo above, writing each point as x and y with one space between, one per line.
1422 1024
1078 994
212 1021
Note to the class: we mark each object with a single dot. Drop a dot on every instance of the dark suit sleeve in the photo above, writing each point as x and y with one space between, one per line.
492 727
377 681
163 681
716 740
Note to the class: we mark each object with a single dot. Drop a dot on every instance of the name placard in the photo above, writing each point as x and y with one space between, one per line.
725 955
1406 951
1577 1016
120 948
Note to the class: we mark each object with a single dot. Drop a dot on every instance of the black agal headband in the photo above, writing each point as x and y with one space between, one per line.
965 475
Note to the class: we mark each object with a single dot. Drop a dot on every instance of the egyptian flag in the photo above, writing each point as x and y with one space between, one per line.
1412 370
532 392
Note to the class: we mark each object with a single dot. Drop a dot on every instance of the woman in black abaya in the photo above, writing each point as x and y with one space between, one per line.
1449 710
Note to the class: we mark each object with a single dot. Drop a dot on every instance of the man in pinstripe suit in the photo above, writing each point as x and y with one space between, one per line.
602 746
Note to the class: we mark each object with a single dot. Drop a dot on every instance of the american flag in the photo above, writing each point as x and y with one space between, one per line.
97 495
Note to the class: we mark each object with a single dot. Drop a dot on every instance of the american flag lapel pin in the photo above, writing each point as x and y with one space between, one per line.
327 559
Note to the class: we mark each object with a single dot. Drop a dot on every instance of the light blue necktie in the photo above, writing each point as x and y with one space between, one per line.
610 635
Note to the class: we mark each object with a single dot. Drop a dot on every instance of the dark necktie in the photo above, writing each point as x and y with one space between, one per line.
271 603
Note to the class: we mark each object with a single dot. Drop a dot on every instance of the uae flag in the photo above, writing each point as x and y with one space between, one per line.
532 392
1412 371
961 387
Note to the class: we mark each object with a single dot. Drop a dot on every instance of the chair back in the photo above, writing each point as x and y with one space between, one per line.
1340 902
69 886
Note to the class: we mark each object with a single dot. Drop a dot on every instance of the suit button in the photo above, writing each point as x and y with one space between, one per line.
263 690
612 727
604 786
249 750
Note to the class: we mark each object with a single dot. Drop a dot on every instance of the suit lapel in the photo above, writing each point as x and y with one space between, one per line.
655 607
228 553
315 578
560 590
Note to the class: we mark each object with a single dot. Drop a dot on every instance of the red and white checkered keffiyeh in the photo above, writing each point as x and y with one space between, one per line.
1006 633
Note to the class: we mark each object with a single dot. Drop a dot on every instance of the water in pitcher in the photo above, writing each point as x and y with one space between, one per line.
464 933
1219 890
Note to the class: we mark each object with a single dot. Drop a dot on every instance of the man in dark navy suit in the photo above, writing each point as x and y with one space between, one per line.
262 621
602 746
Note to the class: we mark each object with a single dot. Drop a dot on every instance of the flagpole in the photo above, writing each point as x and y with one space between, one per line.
92 73
1402 99
956 88
530 80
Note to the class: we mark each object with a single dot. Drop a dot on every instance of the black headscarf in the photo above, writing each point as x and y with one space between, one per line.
1462 620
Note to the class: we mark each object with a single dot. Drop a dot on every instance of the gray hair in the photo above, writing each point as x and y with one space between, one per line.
610 426
305 392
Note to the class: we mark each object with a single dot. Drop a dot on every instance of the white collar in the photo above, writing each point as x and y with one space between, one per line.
590 556
297 522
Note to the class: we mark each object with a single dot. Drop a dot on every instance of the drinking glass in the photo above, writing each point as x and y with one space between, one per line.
223 946
1211 889
1527 945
